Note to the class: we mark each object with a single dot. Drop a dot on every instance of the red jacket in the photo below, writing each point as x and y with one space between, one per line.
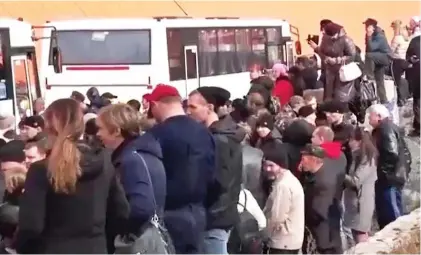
283 90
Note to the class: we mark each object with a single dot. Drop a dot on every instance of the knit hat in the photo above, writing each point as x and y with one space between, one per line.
13 151
266 120
323 23
76 95
280 69
215 96
334 106
370 22
35 121
276 154
313 150
305 111
332 29
88 117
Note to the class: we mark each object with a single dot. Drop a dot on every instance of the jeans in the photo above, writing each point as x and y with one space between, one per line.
215 241
388 204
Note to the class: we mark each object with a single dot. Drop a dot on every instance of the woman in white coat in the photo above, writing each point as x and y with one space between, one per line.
359 193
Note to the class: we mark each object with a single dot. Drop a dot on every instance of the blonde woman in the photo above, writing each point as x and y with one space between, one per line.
400 40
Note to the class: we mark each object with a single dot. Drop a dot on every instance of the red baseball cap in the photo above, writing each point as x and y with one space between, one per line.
146 96
161 91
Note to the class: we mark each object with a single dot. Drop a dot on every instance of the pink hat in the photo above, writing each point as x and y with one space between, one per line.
280 69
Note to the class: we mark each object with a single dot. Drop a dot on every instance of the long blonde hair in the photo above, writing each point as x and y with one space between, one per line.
64 126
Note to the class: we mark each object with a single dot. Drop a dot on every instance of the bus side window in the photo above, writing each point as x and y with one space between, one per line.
207 52
258 41
243 46
226 51
175 55
273 45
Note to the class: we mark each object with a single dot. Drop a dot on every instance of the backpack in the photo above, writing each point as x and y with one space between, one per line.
245 237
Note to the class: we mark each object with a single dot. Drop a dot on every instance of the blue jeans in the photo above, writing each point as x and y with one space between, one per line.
388 204
215 241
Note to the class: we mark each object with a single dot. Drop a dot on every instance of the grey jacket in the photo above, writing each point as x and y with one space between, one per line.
359 193
252 172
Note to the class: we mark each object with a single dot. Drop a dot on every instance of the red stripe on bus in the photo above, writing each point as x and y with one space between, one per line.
97 68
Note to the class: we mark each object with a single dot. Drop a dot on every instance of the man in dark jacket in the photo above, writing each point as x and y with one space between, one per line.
393 165
413 77
376 56
222 213
335 113
189 159
322 184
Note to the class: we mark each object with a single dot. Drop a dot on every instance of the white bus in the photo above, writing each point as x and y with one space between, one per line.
19 81
127 57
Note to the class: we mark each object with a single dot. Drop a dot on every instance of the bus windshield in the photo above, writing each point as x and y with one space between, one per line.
104 47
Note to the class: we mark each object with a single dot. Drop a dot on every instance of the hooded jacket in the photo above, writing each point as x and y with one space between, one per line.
223 194
378 42
332 149
75 223
139 166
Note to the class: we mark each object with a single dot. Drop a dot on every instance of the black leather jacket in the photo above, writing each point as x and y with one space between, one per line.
394 162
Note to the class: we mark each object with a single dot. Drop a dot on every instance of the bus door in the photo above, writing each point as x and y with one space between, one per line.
22 89
191 66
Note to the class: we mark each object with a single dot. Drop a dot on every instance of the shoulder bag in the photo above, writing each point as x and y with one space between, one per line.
349 72
154 239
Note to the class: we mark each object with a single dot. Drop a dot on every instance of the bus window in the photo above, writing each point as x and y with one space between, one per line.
273 44
258 41
105 47
20 78
207 52
243 45
226 51
2 71
175 55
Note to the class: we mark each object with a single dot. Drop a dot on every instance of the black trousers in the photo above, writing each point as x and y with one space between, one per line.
413 77
396 70
375 68
268 250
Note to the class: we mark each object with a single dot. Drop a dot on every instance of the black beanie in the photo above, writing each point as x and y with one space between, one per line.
13 151
266 120
214 95
277 154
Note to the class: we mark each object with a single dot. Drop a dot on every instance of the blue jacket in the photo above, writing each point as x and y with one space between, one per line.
133 173
188 150
378 42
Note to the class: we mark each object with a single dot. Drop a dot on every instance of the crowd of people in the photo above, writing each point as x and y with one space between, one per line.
288 168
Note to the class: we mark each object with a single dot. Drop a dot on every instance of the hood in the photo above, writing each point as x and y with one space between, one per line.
298 133
332 149
228 127
378 32
342 32
92 93
145 143
93 161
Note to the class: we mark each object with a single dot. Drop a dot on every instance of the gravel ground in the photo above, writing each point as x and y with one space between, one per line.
411 192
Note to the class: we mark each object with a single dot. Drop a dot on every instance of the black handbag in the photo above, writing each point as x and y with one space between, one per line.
245 237
154 239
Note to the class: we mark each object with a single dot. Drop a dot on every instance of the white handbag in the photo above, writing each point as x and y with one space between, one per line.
349 72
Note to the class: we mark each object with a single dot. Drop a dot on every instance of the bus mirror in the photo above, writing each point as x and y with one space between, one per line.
57 60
